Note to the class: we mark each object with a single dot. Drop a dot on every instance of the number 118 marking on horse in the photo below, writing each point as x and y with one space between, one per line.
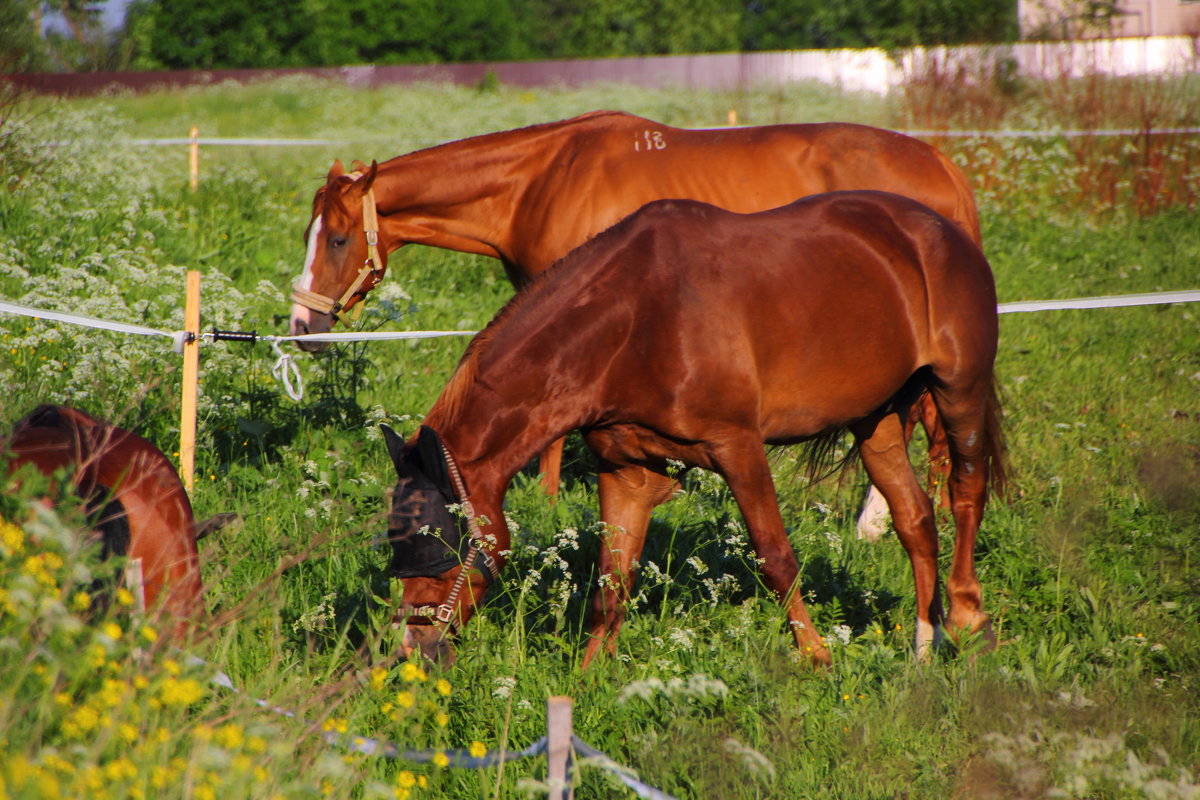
654 141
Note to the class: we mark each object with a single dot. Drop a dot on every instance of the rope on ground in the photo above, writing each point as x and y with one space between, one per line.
624 774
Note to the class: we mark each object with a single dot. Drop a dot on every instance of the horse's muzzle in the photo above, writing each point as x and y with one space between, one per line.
308 321
432 641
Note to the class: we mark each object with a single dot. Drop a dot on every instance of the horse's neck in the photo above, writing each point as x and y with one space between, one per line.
461 196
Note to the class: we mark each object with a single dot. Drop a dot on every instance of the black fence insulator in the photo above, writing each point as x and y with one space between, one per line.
234 336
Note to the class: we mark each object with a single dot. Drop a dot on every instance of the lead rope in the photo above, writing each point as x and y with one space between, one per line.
445 612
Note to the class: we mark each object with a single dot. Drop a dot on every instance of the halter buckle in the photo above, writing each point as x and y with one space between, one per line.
445 613
372 238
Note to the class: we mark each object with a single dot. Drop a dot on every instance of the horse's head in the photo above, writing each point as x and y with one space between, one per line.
429 545
344 257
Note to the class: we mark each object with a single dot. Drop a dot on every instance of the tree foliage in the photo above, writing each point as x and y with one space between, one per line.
214 34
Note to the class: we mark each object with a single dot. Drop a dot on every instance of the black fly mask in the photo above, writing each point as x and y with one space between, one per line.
426 537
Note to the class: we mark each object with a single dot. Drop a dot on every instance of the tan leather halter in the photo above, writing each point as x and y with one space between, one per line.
372 267
445 611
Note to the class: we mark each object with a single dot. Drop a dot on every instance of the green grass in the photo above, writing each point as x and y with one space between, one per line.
1088 569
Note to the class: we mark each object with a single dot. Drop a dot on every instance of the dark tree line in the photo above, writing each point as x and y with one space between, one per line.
211 34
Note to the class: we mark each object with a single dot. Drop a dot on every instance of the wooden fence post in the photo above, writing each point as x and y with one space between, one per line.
194 158
558 748
191 374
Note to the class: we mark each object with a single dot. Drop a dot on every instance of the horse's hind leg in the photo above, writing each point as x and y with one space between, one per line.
627 496
746 471
964 411
884 453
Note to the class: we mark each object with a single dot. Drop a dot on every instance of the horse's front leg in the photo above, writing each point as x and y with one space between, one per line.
550 467
748 474
627 496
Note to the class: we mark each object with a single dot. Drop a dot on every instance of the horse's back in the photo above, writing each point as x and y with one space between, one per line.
833 290
605 167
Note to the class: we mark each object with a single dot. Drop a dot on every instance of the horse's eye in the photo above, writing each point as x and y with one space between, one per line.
337 241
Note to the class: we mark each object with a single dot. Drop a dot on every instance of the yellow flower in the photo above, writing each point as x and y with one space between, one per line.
231 736
411 672
149 634
440 759
121 769
405 699
128 732
442 718
171 666
478 749
443 687
12 537
335 724
175 692
124 596
81 601
378 675
422 781
401 793
63 699
406 780
140 681
113 631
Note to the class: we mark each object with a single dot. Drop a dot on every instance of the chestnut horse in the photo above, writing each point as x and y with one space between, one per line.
530 196
692 333
129 488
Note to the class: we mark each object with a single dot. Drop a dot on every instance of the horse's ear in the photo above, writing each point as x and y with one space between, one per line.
358 166
369 177
432 453
336 171
395 446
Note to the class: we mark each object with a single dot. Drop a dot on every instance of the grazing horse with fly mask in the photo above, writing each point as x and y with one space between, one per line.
133 495
530 196
690 333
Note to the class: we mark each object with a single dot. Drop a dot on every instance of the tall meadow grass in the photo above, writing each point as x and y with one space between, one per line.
1088 568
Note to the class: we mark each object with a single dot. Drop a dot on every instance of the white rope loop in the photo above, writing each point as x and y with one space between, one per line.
285 371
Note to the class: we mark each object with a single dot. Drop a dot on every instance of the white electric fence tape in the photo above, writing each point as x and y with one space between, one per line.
287 372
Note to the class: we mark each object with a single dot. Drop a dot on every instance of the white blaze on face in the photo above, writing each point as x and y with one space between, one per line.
302 313
311 255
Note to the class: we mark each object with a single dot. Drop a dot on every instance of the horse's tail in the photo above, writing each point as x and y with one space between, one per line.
966 213
994 444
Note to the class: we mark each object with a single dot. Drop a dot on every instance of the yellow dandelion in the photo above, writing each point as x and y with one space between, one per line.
442 718
171 666
127 732
405 699
440 759
378 675
477 749
112 630
443 687
124 596
406 780
422 782
149 634
81 601
140 681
